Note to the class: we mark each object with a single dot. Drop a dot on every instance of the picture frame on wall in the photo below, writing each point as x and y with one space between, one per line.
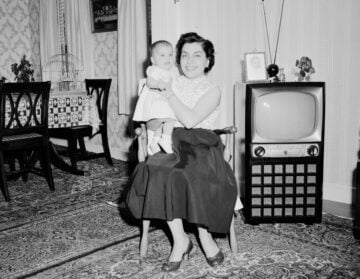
255 67
103 14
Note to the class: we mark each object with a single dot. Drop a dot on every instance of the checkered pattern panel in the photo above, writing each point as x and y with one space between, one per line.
64 111
67 111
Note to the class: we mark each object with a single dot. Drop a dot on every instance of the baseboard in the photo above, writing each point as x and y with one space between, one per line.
337 192
338 208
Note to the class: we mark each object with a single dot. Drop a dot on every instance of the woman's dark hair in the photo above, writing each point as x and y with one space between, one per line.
193 37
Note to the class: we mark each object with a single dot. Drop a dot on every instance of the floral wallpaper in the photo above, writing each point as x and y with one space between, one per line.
19 21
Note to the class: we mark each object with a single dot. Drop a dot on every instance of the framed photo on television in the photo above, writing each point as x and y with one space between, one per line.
103 14
255 67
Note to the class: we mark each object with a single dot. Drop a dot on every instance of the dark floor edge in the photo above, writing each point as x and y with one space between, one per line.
57 213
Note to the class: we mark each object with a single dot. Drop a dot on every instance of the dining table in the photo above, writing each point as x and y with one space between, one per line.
70 109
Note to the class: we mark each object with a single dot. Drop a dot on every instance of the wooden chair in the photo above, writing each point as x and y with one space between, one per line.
99 89
142 154
24 132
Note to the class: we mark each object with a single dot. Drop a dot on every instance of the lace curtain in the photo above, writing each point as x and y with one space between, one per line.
78 32
79 37
49 34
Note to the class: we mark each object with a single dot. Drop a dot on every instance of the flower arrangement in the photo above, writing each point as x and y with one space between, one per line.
306 68
24 71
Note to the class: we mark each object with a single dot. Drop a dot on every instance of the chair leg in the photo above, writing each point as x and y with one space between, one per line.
11 160
232 237
144 241
22 162
82 147
72 146
3 185
105 144
46 166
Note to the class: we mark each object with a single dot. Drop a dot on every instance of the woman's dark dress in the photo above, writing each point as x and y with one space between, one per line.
194 183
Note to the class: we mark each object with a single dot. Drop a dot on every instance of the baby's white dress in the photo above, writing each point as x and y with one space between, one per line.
150 104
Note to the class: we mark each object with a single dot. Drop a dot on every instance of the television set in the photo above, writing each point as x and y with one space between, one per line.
284 140
280 115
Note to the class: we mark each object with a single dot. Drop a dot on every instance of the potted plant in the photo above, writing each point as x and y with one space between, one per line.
24 71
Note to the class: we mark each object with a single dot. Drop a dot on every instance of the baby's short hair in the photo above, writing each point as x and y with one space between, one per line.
154 45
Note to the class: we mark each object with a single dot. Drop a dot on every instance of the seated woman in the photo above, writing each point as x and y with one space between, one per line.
194 183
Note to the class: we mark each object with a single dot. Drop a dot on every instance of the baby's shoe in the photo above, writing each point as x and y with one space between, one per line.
166 143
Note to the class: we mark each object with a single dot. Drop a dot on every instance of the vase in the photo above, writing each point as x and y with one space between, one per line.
307 77
301 78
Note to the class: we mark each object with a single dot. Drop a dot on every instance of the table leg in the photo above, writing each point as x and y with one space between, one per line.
58 162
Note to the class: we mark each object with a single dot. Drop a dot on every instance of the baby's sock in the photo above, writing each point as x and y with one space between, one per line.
166 143
238 204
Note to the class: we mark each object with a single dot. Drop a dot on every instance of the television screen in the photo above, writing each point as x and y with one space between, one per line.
287 112
285 115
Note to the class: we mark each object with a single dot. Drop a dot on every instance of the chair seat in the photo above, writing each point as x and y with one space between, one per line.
22 141
21 137
66 132
86 127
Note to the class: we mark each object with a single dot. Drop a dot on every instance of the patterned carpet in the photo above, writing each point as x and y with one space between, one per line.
74 233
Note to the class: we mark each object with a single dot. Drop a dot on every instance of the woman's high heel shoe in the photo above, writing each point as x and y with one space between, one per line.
173 266
216 260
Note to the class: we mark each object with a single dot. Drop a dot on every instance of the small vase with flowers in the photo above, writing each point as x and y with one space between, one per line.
305 67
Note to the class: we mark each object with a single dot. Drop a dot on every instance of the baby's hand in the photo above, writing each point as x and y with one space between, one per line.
162 85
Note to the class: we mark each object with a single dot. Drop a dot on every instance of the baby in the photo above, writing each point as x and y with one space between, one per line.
153 108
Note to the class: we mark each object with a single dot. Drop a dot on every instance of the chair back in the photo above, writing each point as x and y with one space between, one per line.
99 88
24 108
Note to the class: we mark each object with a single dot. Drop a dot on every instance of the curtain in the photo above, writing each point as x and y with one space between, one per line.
49 33
79 37
132 51
78 32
